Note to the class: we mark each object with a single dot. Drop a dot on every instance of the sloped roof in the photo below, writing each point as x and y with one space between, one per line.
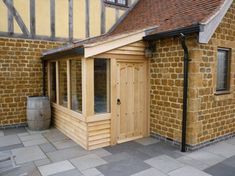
167 15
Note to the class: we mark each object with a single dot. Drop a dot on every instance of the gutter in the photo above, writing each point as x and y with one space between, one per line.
174 33
181 33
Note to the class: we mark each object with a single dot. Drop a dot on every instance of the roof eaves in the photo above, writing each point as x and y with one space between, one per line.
172 33
209 25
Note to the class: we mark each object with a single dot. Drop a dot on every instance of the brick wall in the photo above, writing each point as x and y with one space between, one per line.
209 115
20 76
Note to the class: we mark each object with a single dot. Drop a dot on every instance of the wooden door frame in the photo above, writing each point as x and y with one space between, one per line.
113 72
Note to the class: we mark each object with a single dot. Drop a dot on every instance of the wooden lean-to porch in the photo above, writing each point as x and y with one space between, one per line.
101 100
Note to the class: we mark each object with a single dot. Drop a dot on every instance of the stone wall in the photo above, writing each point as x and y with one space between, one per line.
210 116
215 113
166 84
20 76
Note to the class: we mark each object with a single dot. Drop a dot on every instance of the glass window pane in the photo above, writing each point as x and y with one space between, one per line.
222 70
63 98
101 85
53 82
76 85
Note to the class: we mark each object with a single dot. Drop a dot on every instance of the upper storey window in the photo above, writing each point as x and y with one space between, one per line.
118 2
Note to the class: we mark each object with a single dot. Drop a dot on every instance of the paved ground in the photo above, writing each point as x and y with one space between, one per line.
52 153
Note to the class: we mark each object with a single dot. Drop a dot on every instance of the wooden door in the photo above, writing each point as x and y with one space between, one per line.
131 101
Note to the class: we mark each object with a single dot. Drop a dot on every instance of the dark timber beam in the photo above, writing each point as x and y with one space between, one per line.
103 19
10 20
32 18
52 9
17 17
117 14
87 18
70 20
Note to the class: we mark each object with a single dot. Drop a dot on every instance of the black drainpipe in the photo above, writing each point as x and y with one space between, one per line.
43 77
185 93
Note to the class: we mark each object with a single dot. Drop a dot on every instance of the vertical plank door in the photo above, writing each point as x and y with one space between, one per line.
131 101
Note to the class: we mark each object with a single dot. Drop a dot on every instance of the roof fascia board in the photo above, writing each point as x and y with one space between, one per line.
98 48
209 27
173 33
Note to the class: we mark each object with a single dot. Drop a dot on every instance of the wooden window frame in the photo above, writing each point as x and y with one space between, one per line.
68 71
227 89
108 86
116 3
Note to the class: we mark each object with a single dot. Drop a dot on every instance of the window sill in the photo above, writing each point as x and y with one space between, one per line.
225 92
110 4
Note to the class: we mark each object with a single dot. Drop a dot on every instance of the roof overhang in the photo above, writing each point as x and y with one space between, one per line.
96 48
208 27
112 43
173 33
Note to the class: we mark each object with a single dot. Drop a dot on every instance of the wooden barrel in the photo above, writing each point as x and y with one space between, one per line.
38 113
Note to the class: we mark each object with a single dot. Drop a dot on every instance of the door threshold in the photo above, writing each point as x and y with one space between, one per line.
129 139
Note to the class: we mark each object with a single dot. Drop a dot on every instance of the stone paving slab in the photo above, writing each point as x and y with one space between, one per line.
63 144
88 161
192 162
101 152
164 163
91 172
188 171
150 172
34 142
30 137
11 147
9 140
1 133
47 147
55 168
65 154
206 157
28 154
29 169
55 135
14 131
231 141
123 168
221 170
73 172
222 149
160 149
147 141
42 162
229 162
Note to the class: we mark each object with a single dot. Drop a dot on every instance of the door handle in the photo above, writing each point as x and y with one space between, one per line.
118 101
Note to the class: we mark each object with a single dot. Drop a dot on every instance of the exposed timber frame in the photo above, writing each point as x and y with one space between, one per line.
52 9
87 25
103 17
15 14
32 18
70 20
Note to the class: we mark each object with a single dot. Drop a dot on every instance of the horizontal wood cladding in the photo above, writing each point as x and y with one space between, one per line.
136 48
99 134
70 125
90 135
56 20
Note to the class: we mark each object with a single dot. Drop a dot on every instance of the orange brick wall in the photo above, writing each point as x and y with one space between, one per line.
20 76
